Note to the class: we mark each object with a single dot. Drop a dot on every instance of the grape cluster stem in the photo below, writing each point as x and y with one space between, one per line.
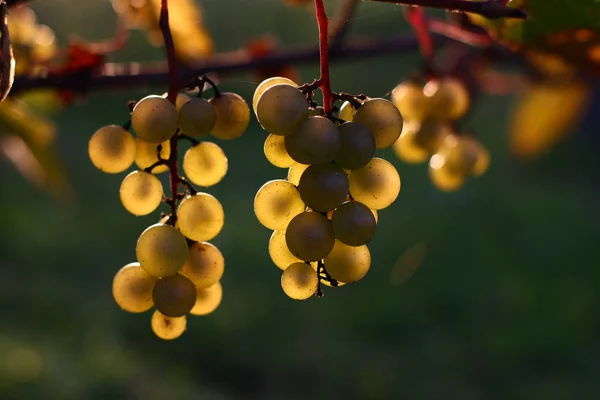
324 79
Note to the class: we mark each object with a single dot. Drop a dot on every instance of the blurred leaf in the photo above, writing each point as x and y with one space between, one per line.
192 41
547 112
262 47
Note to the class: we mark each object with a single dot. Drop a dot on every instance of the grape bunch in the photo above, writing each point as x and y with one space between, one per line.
428 134
325 212
177 270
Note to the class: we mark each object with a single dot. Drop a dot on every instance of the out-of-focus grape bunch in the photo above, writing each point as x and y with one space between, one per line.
177 270
325 212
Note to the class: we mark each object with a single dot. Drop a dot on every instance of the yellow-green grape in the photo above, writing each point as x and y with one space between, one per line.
204 265
279 252
347 111
207 299
112 149
276 203
460 154
383 119
167 328
419 141
323 187
174 296
197 117
132 288
295 173
205 164
376 185
309 236
413 104
146 154
299 281
317 140
154 119
442 177
161 250
483 161
200 217
181 99
357 146
449 98
375 214
141 193
266 84
348 263
317 111
281 109
276 153
353 223
233 116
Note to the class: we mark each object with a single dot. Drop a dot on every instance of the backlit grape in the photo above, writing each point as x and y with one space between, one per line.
205 164
180 100
207 299
266 84
347 111
411 101
376 185
449 98
383 119
200 217
309 236
317 140
161 250
348 263
357 146
299 281
197 117
112 149
323 187
276 203
167 328
442 177
146 154
281 109
276 153
204 265
460 154
353 223
154 119
419 141
295 173
279 252
233 116
132 288
141 193
174 296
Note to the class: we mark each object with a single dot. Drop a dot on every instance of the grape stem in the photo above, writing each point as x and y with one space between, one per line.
324 78
492 9
190 139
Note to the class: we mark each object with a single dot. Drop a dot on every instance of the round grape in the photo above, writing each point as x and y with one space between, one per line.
205 164
132 288
309 236
276 153
449 98
204 265
411 101
483 161
181 99
281 109
200 217
357 146
347 111
146 154
323 187
353 223
154 119
112 149
348 263
460 154
167 328
197 117
276 203
419 141
161 250
279 252
299 281
317 111
376 185
174 296
207 299
141 193
295 173
442 177
233 116
266 84
383 119
317 140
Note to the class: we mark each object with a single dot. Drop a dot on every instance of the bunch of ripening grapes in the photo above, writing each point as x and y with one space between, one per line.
325 212
429 111
177 270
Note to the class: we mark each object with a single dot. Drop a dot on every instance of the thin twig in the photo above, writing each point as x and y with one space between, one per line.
490 8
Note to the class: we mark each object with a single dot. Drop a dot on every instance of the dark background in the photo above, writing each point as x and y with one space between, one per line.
501 302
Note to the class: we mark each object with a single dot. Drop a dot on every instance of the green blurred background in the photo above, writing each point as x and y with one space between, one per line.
501 302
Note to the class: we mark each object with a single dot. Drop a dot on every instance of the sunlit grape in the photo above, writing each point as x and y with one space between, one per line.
299 281
204 265
383 119
376 185
141 193
174 296
353 223
167 328
460 154
317 140
146 154
181 99
207 299
276 153
309 236
279 252
317 111
348 263
233 116
132 288
347 111
449 98
323 187
154 119
295 173
357 146
443 178
161 250
419 141
205 164
197 117
483 161
411 101
266 84
276 203
281 109
200 217
112 149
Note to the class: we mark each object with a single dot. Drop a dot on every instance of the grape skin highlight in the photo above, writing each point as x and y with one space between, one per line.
161 250
299 281
132 288
276 153
112 149
376 185
266 84
141 193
